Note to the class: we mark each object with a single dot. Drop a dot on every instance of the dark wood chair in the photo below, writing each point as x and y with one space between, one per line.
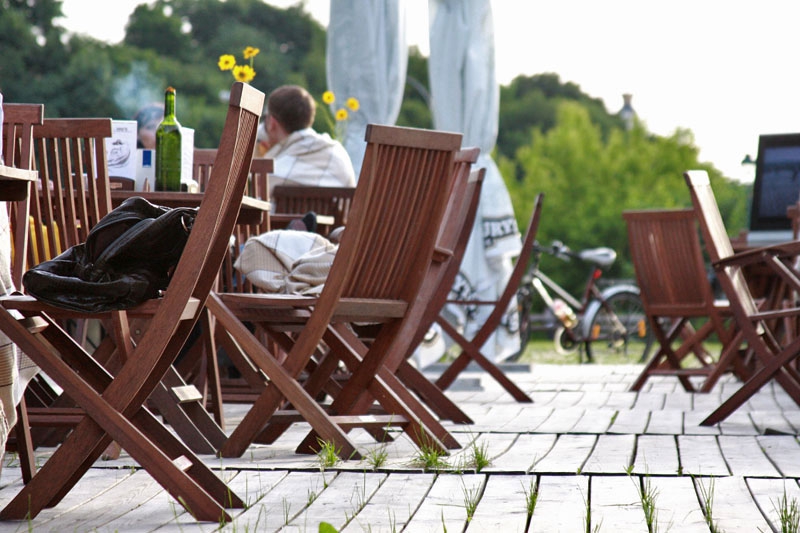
451 245
760 328
329 201
376 275
677 295
471 348
451 242
17 141
114 404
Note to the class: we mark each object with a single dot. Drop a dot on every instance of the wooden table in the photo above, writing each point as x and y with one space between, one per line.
251 212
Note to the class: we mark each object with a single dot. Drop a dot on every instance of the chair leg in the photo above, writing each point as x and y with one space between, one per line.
22 433
383 385
172 464
213 385
472 352
283 385
433 396
775 367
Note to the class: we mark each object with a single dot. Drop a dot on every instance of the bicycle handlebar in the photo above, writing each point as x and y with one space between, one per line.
601 256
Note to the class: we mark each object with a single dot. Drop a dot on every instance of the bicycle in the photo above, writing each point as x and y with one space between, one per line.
609 324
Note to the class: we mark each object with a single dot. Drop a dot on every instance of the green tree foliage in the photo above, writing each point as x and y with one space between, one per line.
532 101
552 136
589 180
153 28
415 111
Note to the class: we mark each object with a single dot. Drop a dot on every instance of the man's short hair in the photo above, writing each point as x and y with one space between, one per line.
292 106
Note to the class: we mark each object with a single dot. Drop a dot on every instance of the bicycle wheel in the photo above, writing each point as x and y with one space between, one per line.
618 331
524 305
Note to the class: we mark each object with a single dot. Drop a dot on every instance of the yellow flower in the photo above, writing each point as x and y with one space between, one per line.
337 119
226 62
250 52
244 73
353 104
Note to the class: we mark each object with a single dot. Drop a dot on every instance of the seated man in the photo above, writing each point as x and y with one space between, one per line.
300 155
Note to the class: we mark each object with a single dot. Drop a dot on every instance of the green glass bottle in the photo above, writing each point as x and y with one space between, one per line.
168 147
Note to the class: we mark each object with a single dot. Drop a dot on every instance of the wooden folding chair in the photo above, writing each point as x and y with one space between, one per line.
17 141
451 242
759 327
676 294
379 268
329 201
471 348
114 404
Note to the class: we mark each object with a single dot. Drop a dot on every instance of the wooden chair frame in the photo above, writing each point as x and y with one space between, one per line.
759 327
450 245
379 268
671 275
17 138
471 348
114 404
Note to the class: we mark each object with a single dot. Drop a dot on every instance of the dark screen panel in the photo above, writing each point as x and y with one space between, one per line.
777 182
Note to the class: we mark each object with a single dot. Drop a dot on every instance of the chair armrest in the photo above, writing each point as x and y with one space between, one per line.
440 255
14 183
756 255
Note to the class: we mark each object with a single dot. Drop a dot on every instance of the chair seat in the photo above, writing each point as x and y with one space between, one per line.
148 308
258 307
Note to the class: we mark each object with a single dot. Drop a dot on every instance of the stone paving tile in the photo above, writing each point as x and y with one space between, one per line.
580 434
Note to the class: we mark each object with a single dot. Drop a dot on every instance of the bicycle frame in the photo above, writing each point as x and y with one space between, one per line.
541 282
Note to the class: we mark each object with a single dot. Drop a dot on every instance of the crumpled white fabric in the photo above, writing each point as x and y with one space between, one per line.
287 261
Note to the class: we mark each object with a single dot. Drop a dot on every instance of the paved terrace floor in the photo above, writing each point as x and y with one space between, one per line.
586 447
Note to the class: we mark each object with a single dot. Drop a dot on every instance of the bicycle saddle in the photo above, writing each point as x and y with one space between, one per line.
602 256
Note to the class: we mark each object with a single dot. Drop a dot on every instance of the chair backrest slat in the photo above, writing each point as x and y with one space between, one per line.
202 163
